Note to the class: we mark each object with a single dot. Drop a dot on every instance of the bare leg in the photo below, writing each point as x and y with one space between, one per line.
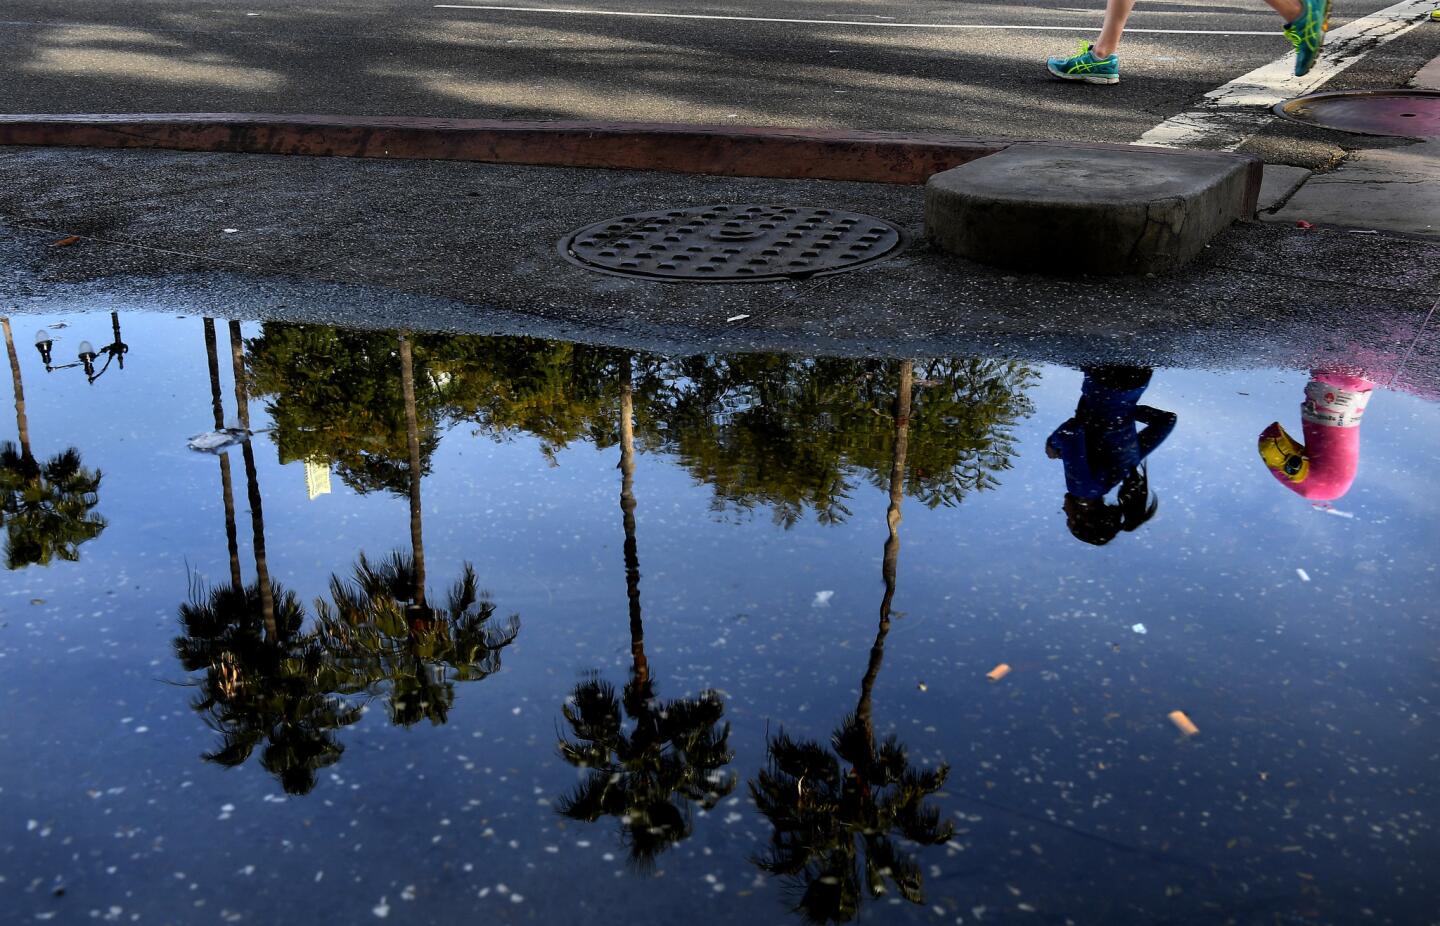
1289 10
1116 12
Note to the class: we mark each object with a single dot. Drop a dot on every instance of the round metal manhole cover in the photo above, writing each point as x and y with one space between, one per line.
1406 113
733 243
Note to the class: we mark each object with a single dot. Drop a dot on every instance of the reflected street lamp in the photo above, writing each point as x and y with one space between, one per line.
86 354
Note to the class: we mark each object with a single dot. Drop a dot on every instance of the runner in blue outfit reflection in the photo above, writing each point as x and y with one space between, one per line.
1102 448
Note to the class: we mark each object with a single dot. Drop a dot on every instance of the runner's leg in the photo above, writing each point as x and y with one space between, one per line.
1116 13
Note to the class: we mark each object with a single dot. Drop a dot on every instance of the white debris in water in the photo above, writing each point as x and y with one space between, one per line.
381 909
408 893
214 441
822 598
516 898
737 318
1139 628
1304 576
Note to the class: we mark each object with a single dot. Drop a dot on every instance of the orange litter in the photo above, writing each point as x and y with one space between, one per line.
1183 724
999 672
66 241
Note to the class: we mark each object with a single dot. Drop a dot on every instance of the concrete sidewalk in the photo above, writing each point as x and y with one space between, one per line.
467 247
1384 184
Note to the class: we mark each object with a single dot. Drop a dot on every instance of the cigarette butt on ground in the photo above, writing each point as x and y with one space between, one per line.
1183 723
999 672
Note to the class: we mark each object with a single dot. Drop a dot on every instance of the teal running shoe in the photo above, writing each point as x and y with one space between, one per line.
1307 33
1086 66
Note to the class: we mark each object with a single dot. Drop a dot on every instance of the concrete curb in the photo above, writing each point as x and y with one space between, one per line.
817 154
736 151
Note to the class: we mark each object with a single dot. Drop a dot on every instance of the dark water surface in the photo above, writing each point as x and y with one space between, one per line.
723 657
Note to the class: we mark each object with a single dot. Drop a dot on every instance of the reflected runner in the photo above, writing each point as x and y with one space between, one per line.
1102 449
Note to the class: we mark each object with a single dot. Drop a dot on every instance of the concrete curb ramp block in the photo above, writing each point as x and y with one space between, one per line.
1108 210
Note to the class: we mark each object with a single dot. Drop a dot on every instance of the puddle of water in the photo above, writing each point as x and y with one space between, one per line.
706 637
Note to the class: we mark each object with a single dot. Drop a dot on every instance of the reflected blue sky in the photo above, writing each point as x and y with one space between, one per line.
1301 642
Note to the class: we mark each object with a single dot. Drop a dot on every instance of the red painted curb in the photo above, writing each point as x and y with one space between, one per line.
875 157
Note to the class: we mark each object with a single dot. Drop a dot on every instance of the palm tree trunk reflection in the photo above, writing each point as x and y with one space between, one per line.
640 665
252 482
412 439
890 561
227 489
22 423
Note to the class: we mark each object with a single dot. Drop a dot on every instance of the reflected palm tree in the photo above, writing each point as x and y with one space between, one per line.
672 757
380 637
836 811
47 509
262 683
266 680
380 628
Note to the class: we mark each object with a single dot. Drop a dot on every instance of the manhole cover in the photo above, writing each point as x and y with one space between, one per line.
733 243
1408 113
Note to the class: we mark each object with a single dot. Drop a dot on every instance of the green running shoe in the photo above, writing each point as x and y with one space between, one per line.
1087 67
1307 33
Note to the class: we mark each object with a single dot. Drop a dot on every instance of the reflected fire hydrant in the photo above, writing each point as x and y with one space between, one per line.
1323 467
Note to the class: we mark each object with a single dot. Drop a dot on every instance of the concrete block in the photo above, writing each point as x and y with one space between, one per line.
1109 210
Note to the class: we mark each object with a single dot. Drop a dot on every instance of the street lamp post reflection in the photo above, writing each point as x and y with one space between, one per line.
86 354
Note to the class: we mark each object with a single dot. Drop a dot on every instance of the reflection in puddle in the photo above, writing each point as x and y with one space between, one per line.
840 810
1102 449
48 506
744 738
1322 468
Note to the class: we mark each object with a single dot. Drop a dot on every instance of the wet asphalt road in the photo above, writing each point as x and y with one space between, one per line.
410 58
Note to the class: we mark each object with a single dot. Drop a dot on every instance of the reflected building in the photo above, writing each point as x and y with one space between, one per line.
317 479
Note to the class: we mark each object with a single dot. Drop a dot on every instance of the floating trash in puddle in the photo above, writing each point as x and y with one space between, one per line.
737 318
822 599
1139 628
215 441
1183 723
1304 576
999 672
